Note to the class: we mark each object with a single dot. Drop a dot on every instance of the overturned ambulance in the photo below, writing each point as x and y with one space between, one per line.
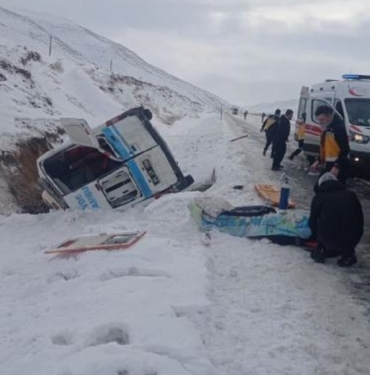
121 162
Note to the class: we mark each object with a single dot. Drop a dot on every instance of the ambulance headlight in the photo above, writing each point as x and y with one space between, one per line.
359 138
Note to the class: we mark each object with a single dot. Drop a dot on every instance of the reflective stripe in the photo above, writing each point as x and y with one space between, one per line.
301 131
331 149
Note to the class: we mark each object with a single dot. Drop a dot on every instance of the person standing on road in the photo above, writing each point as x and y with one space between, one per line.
334 145
269 126
336 220
263 115
299 137
281 138
245 115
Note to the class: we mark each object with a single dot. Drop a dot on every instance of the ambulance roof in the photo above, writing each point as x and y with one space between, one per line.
351 86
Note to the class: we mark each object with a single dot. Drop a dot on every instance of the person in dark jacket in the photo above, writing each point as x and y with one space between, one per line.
263 115
336 221
334 145
269 126
280 139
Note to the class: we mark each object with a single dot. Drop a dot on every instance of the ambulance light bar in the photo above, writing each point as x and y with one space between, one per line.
355 76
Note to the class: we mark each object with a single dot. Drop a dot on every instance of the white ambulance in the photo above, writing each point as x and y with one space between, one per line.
122 162
350 98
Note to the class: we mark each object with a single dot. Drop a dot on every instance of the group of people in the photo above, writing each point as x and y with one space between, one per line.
277 130
337 228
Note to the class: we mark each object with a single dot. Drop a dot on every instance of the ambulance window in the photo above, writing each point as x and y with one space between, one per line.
302 108
316 103
329 101
339 108
358 111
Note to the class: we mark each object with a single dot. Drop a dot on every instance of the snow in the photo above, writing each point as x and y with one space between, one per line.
170 305
76 81
102 310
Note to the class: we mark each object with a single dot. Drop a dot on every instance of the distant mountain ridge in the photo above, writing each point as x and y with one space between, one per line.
268 108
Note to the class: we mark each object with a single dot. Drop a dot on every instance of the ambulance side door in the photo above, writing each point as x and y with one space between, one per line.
313 129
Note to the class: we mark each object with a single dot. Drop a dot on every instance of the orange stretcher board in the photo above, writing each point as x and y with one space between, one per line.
116 241
271 194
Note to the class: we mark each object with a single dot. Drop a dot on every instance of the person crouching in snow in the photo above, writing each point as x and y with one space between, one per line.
336 220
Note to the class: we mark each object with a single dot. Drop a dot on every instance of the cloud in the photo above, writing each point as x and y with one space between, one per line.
264 53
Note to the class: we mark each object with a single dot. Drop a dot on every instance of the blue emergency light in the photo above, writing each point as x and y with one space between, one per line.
355 76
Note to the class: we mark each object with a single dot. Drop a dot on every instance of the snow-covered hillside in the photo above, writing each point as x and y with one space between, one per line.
74 80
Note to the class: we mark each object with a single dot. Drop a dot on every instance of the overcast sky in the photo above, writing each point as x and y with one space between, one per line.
246 51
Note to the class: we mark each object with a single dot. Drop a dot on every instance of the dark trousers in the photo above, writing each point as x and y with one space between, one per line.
269 139
279 150
298 150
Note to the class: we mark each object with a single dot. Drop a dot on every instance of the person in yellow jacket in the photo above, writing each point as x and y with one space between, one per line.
299 137
269 126
334 145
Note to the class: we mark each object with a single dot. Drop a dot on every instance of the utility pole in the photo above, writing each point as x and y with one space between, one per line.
221 113
111 65
50 44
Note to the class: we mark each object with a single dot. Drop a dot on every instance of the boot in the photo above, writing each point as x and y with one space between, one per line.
347 261
318 255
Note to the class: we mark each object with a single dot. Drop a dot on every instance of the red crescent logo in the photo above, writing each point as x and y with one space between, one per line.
355 93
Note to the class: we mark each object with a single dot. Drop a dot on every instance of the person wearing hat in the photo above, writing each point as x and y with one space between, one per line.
336 220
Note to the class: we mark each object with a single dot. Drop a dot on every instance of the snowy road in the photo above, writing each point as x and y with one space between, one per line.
170 305
274 311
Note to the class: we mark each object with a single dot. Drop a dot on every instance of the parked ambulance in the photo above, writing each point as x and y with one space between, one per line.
350 98
120 163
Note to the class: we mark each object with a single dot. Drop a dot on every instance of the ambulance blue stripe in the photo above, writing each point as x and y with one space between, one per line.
125 144
115 138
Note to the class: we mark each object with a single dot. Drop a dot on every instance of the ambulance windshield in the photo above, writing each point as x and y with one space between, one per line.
358 111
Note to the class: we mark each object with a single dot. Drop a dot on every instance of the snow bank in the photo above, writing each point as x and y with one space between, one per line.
116 312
